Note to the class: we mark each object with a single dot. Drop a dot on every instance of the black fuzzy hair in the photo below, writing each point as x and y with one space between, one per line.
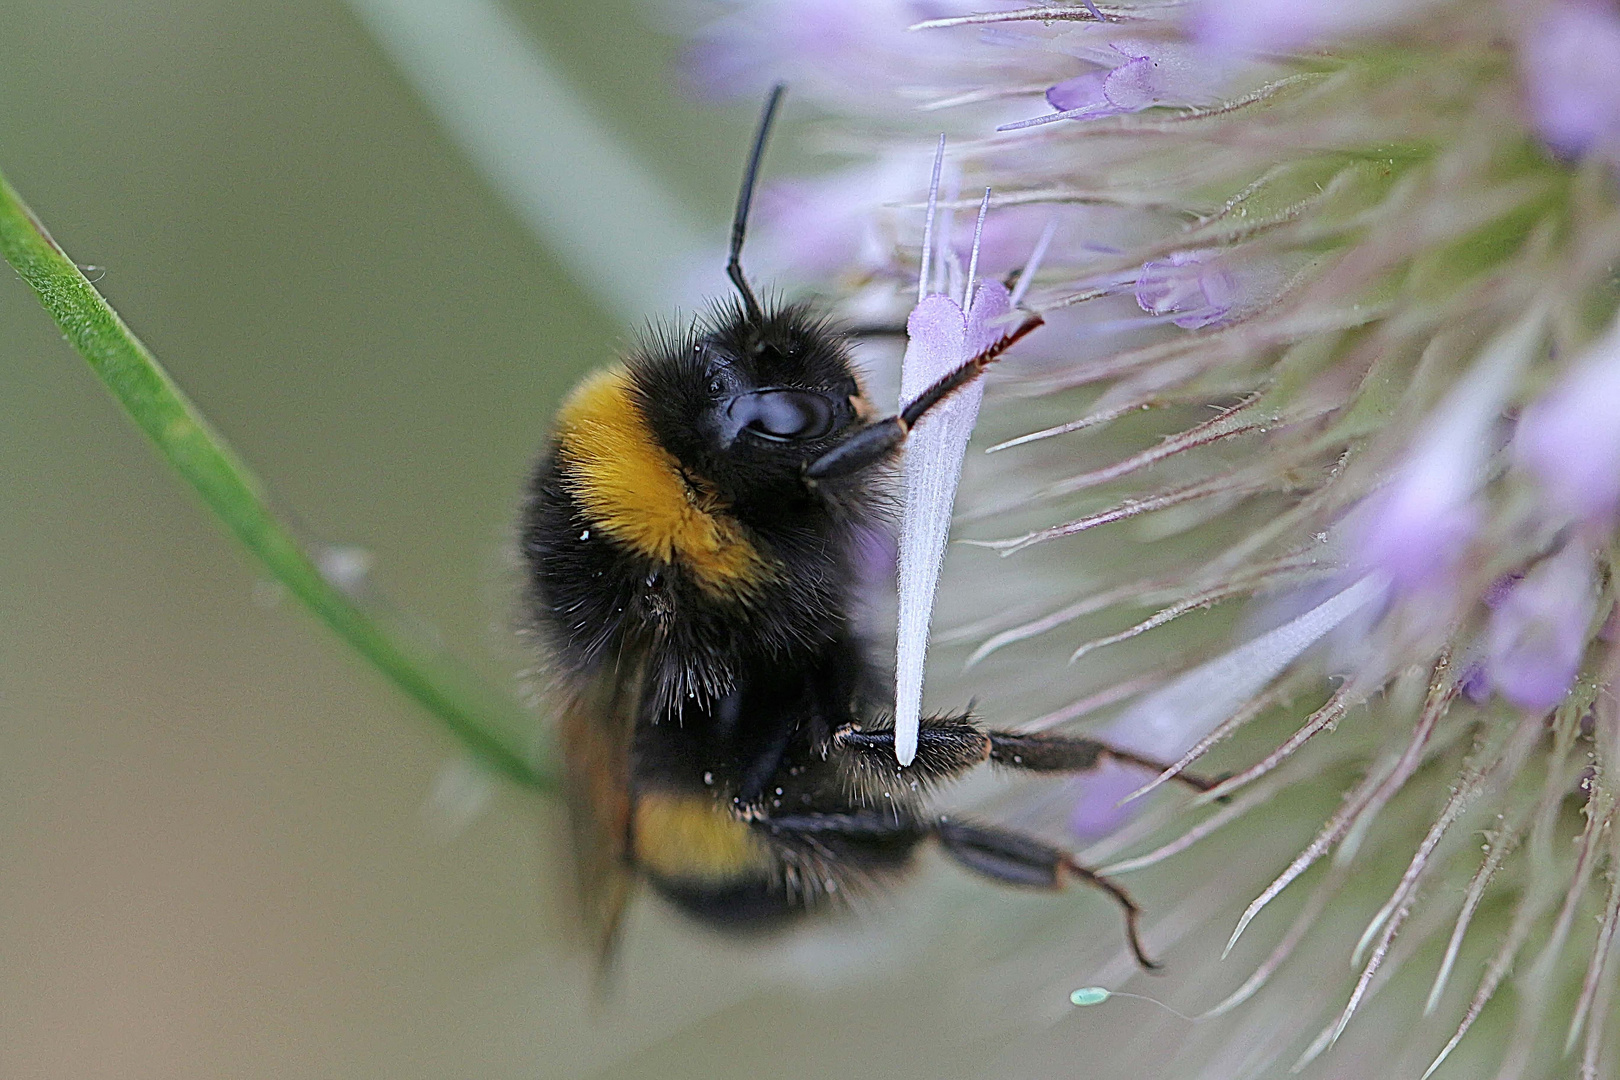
680 377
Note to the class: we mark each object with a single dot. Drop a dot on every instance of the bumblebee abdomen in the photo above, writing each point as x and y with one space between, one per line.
748 874
744 906
711 864
635 493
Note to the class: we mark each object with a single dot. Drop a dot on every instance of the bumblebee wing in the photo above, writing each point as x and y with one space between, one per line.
596 728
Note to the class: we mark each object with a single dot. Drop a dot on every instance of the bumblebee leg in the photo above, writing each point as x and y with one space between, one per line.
1015 859
1040 752
947 746
849 847
874 824
866 446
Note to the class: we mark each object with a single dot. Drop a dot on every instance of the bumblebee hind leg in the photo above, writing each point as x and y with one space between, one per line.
1015 859
874 840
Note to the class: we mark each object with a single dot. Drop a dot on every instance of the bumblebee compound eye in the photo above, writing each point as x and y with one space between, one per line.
781 415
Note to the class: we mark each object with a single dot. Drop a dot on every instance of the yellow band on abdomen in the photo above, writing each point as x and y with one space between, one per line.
691 838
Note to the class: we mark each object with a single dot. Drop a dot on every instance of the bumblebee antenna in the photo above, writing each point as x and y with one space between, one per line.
745 198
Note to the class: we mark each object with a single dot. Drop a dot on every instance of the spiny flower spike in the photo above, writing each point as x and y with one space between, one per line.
1312 479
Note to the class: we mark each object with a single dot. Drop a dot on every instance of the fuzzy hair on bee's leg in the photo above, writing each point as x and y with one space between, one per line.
949 745
1015 859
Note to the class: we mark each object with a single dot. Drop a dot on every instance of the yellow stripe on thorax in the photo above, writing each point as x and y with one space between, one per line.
692 838
632 489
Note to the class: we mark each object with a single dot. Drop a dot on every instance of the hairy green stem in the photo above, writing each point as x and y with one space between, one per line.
487 722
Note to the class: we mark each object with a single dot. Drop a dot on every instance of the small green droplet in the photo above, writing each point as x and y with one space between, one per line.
1090 995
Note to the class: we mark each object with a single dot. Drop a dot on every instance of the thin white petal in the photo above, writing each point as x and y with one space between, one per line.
1173 718
942 338
938 332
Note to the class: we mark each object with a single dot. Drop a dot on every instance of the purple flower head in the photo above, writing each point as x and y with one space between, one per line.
1569 439
1194 286
1570 58
1260 26
1243 168
1209 286
1162 73
1082 91
1132 75
1537 635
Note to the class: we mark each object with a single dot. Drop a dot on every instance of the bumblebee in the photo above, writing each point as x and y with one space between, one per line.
689 539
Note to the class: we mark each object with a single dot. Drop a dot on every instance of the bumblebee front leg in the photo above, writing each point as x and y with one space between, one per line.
868 445
1015 859
947 746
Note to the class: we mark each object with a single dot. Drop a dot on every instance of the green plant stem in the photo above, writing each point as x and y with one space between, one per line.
484 720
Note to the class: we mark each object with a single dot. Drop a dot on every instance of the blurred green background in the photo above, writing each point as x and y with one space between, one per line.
219 854
215 857
216 860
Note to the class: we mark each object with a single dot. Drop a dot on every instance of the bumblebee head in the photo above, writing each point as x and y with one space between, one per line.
746 403
750 395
